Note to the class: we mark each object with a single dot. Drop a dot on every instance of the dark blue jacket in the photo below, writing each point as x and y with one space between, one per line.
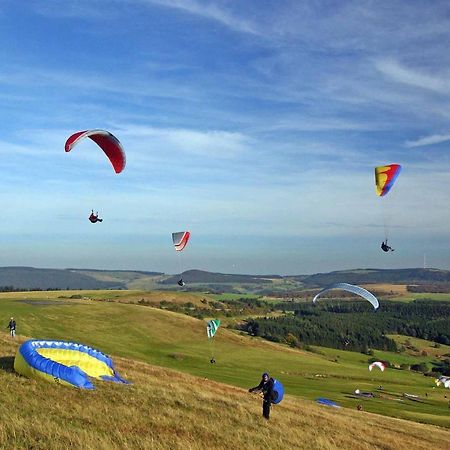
266 387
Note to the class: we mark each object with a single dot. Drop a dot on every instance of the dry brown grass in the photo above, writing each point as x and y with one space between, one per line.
119 296
168 296
388 289
165 409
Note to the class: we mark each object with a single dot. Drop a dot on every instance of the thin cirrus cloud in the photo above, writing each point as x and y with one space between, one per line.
428 140
97 10
404 75
257 120
212 143
210 10
91 83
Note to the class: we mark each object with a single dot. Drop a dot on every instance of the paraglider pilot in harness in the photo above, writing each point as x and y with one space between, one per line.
12 327
94 217
385 247
266 387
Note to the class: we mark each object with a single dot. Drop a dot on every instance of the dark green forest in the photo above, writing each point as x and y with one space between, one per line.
354 325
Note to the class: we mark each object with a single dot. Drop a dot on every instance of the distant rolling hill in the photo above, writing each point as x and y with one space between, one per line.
201 276
369 276
30 278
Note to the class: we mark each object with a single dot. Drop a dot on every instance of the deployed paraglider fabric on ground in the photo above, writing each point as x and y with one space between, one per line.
180 240
327 402
445 381
106 141
66 363
378 364
364 394
353 289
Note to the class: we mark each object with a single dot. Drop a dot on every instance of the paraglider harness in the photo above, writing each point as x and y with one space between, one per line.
386 247
94 217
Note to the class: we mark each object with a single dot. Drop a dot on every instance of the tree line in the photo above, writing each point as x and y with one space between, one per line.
354 325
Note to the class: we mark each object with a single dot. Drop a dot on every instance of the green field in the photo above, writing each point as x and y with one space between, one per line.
411 296
179 342
420 347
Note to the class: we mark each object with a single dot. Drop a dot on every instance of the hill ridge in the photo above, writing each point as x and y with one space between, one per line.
27 278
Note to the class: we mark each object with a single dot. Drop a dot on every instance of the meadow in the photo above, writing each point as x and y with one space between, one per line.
166 409
113 322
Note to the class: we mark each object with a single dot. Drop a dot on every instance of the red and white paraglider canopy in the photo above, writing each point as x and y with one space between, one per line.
106 141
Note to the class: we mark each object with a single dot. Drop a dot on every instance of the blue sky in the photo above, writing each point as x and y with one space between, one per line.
256 125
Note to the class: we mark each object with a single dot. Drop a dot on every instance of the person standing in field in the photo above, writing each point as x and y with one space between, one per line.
266 387
12 327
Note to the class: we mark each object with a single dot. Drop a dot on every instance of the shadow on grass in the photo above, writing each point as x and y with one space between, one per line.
7 363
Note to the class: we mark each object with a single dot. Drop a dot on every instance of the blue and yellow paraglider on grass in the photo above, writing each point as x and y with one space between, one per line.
66 363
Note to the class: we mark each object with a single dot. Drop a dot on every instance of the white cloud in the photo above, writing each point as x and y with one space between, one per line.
88 83
98 9
211 143
429 140
208 10
401 74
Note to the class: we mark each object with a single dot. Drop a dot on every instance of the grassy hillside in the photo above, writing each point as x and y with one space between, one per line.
420 347
201 276
32 278
370 276
166 409
128 278
179 342
435 280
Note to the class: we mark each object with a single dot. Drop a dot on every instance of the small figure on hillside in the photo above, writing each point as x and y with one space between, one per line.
181 283
385 247
266 387
212 360
94 217
12 327
359 407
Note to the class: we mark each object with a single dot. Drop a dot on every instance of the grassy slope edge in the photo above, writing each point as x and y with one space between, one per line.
165 409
